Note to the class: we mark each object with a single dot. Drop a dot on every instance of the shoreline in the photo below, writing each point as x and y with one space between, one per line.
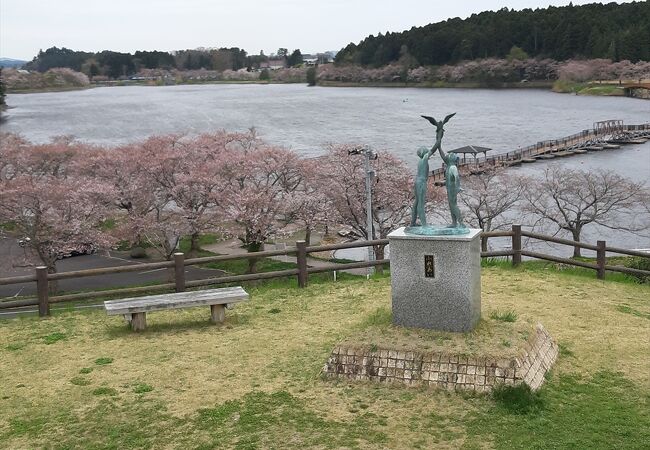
48 89
545 85
583 89
127 84
427 85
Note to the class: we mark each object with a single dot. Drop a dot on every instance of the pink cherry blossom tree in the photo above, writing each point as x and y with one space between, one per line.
309 205
187 175
57 208
258 181
392 192
143 175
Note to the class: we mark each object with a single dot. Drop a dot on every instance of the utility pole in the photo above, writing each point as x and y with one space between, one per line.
370 175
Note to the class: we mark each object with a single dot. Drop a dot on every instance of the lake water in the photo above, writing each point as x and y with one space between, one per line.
306 119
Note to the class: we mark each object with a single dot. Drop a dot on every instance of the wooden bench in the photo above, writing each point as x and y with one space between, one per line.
136 309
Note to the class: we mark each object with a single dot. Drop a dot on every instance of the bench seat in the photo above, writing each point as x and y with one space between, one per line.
135 309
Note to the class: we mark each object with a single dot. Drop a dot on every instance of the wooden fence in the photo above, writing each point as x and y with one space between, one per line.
302 271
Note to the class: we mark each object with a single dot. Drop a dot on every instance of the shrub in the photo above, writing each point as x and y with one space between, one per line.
640 264
311 76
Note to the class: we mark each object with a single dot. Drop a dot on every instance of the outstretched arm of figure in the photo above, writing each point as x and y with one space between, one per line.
430 153
443 155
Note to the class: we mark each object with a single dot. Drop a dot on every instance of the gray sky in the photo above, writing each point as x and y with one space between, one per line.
128 25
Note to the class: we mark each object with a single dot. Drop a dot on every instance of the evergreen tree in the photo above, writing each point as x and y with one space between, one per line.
295 59
57 57
593 30
311 76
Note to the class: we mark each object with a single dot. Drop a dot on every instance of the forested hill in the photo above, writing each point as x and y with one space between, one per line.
618 32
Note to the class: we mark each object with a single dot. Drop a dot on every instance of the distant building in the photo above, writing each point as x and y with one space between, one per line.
318 58
275 64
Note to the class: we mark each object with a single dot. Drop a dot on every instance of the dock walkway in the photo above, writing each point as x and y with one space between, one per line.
605 135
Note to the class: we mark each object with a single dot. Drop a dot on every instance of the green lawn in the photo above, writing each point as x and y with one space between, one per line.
83 380
565 86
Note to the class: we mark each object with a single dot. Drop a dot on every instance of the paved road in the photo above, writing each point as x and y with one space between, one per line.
12 263
12 256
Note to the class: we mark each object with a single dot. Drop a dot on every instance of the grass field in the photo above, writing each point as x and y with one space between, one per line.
83 380
571 87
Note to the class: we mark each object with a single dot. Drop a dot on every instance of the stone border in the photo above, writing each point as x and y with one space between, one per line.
444 370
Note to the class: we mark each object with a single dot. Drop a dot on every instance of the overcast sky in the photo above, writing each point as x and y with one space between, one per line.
128 25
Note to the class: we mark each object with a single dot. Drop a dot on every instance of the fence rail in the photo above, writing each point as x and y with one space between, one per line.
42 278
559 240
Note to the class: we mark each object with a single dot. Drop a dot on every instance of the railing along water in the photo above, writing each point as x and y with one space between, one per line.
551 146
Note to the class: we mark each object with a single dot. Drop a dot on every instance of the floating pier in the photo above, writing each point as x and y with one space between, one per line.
629 141
605 135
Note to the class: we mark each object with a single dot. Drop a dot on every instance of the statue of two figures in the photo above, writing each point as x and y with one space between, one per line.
452 182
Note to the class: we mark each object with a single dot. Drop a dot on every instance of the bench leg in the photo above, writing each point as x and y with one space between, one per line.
217 313
139 321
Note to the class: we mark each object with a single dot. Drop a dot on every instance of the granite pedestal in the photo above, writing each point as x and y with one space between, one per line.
436 280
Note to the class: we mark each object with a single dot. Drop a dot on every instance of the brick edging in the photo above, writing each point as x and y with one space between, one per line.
446 370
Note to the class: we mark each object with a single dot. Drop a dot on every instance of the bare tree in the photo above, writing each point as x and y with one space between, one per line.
486 199
572 199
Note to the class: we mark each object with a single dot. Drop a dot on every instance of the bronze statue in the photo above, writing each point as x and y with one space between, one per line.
420 187
452 181
423 171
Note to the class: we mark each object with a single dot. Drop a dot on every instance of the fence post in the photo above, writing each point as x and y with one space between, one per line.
179 271
41 289
302 263
516 245
600 259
